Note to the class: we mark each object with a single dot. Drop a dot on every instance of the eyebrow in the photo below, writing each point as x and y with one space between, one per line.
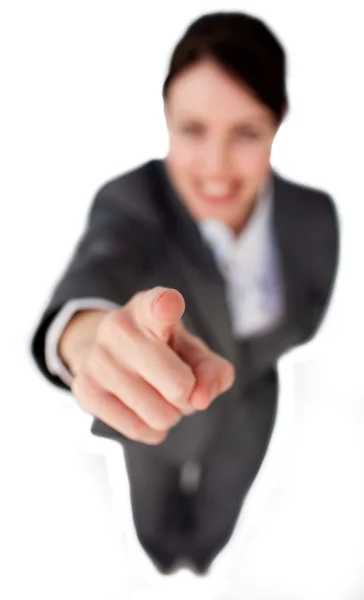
246 122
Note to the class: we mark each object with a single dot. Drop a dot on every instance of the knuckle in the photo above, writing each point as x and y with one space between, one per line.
137 296
115 324
200 343
136 301
159 422
125 327
136 430
173 422
183 386
167 420
115 319
232 373
153 437
229 373
174 417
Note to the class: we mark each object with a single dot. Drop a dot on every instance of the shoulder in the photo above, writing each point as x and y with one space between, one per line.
313 221
129 194
310 226
133 178
312 231
315 206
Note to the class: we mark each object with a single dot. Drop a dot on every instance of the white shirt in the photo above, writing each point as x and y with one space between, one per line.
248 263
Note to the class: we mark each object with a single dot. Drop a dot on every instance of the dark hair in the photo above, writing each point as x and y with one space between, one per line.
244 47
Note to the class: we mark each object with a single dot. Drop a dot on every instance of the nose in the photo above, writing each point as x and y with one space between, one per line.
215 160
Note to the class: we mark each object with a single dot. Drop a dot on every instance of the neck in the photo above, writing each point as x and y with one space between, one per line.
238 227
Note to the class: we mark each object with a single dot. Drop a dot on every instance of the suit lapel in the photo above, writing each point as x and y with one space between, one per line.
194 270
201 283
206 303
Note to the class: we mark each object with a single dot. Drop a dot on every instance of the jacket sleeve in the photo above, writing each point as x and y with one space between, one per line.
109 261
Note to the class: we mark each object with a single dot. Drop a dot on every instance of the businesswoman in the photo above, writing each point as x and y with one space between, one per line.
193 275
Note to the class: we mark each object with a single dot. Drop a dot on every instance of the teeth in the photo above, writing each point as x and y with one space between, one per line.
216 189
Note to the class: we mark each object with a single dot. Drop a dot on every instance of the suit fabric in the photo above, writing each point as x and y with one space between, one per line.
139 235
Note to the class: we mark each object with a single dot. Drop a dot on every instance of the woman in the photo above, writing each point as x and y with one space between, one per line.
186 379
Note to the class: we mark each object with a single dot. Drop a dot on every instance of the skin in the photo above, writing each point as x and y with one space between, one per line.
218 132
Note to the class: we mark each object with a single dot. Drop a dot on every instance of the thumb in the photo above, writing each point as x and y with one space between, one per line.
158 310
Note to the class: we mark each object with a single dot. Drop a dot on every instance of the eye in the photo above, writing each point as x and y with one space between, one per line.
193 130
248 134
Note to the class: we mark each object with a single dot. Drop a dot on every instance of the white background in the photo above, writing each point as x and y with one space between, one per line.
81 102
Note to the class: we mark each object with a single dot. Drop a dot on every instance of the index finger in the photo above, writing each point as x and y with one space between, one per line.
156 311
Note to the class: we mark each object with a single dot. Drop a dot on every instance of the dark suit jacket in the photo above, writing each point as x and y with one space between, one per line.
139 234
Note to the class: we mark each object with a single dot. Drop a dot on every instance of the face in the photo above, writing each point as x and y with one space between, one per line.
220 140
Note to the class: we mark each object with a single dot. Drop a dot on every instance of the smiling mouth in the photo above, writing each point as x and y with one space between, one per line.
218 193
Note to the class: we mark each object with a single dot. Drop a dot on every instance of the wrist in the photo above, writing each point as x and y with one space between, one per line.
78 338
